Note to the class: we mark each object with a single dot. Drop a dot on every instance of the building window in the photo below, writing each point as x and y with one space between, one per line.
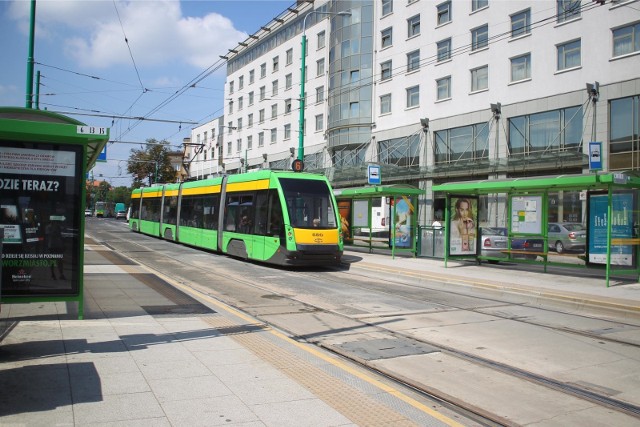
249 142
521 23
240 103
263 70
403 152
239 146
320 94
624 129
444 13
413 26
261 115
240 123
444 88
348 157
289 56
385 104
274 88
263 93
385 70
287 131
261 139
288 81
569 55
251 98
250 120
354 76
413 60
521 67
545 132
274 111
230 126
229 148
480 37
274 135
287 106
276 63
319 122
230 107
480 78
387 7
321 40
626 40
568 9
479 4
387 37
413 96
240 82
230 88
252 76
444 50
464 143
320 67
354 109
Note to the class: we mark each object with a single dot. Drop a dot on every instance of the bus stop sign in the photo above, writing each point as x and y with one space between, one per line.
373 175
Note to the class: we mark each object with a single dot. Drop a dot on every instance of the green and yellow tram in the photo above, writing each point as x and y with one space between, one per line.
277 217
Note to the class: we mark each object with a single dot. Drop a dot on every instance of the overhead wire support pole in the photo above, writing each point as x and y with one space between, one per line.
30 61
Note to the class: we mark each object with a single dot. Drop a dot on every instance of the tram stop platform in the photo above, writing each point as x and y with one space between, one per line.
136 360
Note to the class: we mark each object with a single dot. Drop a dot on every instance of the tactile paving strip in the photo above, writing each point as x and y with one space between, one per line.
350 402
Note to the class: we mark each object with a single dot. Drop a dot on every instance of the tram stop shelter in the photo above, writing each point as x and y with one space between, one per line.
44 158
606 223
380 216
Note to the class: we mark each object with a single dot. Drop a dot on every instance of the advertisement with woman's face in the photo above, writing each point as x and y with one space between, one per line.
463 227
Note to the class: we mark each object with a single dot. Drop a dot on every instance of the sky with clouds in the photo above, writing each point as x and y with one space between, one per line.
108 61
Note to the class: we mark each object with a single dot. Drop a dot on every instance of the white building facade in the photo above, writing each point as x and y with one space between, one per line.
435 91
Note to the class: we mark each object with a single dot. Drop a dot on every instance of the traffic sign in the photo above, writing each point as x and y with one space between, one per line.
373 175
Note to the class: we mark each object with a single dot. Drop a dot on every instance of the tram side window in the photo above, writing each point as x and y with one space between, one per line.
191 211
135 208
262 213
210 214
276 222
170 210
151 209
240 214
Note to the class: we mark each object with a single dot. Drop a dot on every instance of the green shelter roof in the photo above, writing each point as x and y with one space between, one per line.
27 124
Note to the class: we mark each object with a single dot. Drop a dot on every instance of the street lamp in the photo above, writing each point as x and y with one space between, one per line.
303 77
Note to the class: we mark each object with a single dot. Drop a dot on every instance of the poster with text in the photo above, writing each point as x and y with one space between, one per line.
463 226
621 228
40 204
344 208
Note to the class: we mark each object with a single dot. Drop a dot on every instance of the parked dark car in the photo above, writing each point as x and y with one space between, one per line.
494 242
567 236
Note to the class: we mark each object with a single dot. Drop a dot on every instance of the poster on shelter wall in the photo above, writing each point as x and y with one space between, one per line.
463 226
40 204
344 208
404 217
622 227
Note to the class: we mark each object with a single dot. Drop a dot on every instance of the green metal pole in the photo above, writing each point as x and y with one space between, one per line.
38 90
609 213
303 77
32 31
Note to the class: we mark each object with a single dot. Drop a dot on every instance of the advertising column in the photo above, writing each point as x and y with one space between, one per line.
40 204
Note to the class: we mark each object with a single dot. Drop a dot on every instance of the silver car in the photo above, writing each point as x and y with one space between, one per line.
567 236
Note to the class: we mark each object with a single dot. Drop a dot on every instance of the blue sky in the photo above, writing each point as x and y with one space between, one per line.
87 67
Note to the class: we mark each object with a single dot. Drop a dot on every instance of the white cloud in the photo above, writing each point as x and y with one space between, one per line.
157 32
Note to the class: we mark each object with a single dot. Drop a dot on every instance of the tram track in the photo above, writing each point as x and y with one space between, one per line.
482 416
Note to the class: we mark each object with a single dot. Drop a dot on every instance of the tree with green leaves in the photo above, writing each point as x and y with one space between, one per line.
151 164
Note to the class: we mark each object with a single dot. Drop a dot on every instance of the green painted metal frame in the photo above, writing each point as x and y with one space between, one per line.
395 191
24 125
543 185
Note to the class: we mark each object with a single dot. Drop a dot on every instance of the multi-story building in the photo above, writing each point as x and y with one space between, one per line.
436 91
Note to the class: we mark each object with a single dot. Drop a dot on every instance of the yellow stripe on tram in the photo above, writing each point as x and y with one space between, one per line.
209 189
261 184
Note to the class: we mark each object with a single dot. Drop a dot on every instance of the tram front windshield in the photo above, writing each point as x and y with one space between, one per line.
308 203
